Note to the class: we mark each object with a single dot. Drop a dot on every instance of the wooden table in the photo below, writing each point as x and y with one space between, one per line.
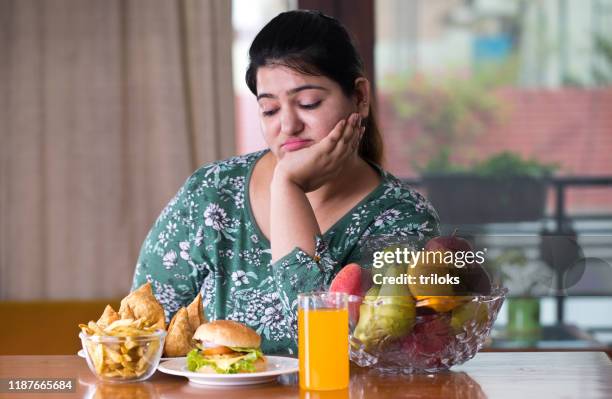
488 375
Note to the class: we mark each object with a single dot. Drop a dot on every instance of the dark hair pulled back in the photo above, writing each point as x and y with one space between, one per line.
312 43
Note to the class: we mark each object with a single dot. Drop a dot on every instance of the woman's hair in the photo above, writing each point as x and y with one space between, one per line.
312 43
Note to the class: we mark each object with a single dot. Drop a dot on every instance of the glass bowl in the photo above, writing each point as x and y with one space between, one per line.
123 359
428 341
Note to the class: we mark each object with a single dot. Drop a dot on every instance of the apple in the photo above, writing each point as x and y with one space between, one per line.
348 280
429 340
352 279
474 278
451 243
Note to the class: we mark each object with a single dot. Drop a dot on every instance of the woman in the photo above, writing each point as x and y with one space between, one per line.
252 231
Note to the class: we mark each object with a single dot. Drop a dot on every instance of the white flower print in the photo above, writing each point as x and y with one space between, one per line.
166 296
171 227
272 314
169 259
351 230
389 216
229 254
239 200
184 245
214 168
233 190
215 217
199 238
169 208
252 256
273 324
162 239
422 229
208 290
239 277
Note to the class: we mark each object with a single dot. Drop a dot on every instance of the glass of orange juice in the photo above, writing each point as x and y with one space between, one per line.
323 330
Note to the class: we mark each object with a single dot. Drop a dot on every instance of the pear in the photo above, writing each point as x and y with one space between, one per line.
389 315
464 316
372 293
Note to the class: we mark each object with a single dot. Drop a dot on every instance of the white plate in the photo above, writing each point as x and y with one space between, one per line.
277 366
81 353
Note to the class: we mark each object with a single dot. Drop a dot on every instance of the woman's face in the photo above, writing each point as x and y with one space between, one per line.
297 110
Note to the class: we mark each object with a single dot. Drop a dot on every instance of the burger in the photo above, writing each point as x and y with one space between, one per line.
226 347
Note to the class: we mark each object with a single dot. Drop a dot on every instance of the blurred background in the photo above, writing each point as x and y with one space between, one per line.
500 111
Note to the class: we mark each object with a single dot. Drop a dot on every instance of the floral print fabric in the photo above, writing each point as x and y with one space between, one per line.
206 240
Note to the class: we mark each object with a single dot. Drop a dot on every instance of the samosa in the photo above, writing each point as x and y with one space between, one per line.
107 317
180 334
196 313
143 304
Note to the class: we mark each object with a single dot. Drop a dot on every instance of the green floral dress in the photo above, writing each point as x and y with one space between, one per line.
206 240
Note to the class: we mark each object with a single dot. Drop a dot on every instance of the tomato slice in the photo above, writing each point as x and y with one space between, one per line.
217 350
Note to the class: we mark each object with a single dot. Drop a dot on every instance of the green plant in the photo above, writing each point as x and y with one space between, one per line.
446 115
508 164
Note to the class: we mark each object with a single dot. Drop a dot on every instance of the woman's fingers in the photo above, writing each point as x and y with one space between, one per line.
337 135
346 145
350 133
340 144
330 141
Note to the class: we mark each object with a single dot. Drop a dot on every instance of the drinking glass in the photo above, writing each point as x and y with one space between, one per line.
323 330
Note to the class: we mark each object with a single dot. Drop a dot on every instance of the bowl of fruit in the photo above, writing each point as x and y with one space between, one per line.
424 309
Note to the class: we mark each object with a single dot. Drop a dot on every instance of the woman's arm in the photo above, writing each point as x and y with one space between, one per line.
292 220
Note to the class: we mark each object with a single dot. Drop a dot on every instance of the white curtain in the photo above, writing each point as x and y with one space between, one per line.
106 107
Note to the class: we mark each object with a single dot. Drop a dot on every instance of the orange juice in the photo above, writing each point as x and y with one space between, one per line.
323 348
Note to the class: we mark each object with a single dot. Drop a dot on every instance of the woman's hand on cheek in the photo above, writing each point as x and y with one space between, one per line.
311 167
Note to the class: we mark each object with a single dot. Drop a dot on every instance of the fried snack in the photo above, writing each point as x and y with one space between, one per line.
129 356
142 304
180 333
108 317
125 311
196 313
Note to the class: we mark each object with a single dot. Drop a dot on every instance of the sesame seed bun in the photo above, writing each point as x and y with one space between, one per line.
228 333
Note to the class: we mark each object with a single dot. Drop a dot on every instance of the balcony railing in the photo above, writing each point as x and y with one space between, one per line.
594 231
